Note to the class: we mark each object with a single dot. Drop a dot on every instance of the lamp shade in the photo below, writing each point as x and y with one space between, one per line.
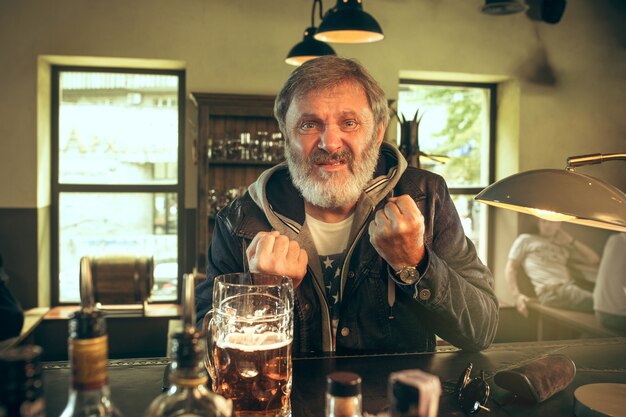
560 195
348 23
309 48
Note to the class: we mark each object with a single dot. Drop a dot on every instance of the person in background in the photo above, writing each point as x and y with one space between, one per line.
544 258
376 250
11 313
609 295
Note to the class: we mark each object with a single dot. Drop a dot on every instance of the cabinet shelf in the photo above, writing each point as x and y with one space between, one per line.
218 116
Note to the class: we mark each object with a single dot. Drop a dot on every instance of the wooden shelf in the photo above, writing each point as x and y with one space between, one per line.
152 310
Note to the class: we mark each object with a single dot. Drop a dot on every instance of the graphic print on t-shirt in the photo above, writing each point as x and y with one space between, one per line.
331 267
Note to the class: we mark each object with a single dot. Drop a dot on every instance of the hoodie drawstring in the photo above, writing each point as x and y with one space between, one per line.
391 296
246 267
391 286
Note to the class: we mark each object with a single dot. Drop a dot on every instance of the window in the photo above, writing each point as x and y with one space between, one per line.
456 131
117 172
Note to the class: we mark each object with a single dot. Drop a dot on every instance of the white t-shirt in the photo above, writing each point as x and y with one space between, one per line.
330 238
544 261
609 295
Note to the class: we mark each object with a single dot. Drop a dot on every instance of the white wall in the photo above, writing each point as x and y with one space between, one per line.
238 46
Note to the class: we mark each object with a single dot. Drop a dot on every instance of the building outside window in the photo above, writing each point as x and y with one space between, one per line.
456 131
117 177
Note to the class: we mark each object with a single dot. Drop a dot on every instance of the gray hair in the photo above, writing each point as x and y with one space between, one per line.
327 72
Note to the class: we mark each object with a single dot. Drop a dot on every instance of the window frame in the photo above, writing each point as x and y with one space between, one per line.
493 115
57 188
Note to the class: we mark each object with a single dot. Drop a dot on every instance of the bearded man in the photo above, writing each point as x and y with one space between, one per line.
376 250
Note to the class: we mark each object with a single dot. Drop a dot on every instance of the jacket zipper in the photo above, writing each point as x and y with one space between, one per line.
350 251
325 313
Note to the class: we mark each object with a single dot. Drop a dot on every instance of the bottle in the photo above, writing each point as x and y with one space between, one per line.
21 389
245 145
89 393
343 395
188 395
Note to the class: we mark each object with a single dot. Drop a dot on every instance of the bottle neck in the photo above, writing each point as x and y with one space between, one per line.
90 396
188 373
89 362
187 378
187 368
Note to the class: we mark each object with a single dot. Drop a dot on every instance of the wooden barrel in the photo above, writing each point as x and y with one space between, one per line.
122 279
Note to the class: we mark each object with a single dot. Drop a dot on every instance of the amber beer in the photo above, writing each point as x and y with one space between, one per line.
254 370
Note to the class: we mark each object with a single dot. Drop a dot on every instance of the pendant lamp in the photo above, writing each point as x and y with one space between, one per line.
348 23
563 195
310 47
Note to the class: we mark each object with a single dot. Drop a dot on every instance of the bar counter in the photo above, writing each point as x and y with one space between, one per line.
135 382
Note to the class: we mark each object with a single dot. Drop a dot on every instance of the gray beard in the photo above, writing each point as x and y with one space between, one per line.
334 189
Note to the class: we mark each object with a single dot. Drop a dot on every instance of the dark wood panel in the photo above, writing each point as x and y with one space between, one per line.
19 246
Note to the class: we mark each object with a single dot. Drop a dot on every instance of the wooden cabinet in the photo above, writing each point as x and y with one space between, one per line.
225 117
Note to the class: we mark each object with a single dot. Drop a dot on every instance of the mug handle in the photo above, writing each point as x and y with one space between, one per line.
207 328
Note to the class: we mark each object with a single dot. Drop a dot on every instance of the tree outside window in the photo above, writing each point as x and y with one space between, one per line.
456 133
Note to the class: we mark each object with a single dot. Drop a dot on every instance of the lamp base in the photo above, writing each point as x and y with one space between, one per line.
600 400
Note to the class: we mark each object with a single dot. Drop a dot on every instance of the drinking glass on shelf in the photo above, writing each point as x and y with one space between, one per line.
209 148
231 194
212 202
244 146
259 146
268 150
279 146
250 334
233 148
217 150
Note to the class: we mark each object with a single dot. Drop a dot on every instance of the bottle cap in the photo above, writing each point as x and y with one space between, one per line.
87 324
343 384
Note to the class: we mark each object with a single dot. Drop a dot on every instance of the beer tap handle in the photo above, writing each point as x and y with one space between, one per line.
189 308
87 300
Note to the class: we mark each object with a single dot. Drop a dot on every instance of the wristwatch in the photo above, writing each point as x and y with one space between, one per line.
408 275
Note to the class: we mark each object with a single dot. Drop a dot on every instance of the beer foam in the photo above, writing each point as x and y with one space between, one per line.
252 342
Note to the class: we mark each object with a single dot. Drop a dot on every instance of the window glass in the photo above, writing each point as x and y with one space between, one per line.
92 224
117 182
454 137
474 220
454 128
118 128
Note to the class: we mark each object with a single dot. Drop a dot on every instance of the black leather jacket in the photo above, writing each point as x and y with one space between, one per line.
454 298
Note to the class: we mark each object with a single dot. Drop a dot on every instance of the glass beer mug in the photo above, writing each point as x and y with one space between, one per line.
249 338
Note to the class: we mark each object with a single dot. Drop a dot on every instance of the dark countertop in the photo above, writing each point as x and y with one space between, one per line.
135 382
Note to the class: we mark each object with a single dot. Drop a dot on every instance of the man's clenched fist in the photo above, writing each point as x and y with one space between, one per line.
397 232
273 253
